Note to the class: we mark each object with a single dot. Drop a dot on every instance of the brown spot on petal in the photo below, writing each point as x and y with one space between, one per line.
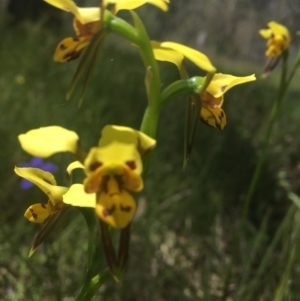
131 164
223 88
125 208
95 165
44 206
119 180
34 215
71 56
107 212
62 47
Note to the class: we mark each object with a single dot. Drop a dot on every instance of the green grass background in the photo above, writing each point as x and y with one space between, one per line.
183 231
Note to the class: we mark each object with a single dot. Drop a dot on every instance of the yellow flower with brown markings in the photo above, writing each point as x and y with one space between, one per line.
87 23
212 98
113 168
278 37
57 195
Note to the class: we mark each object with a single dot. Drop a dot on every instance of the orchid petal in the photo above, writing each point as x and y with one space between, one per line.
83 14
213 117
70 48
126 135
198 58
221 83
132 4
46 141
44 180
168 55
114 156
83 30
38 213
279 29
76 196
266 33
115 207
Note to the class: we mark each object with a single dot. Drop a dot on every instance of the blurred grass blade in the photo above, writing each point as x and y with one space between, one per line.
295 199
196 112
187 131
191 122
109 250
89 216
46 229
267 259
123 249
256 247
90 289
93 279
283 289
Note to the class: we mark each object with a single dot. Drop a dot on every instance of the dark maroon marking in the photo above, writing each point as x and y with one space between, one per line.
34 215
220 117
71 56
75 39
31 210
115 193
95 165
131 164
119 180
222 114
223 88
106 212
125 208
62 47
104 183
44 206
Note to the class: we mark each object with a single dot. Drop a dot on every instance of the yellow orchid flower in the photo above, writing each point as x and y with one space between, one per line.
87 23
213 97
113 168
132 4
175 53
278 37
39 213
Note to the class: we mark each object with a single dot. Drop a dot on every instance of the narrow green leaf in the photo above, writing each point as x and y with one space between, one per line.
295 199
109 250
89 216
187 132
46 229
123 249
90 288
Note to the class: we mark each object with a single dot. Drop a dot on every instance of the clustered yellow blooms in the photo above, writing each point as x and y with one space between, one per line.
278 37
212 98
113 168
87 23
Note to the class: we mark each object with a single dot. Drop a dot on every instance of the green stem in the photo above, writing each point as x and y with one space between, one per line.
121 28
139 37
181 87
274 113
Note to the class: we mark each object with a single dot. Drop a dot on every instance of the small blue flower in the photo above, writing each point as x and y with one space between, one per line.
37 163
